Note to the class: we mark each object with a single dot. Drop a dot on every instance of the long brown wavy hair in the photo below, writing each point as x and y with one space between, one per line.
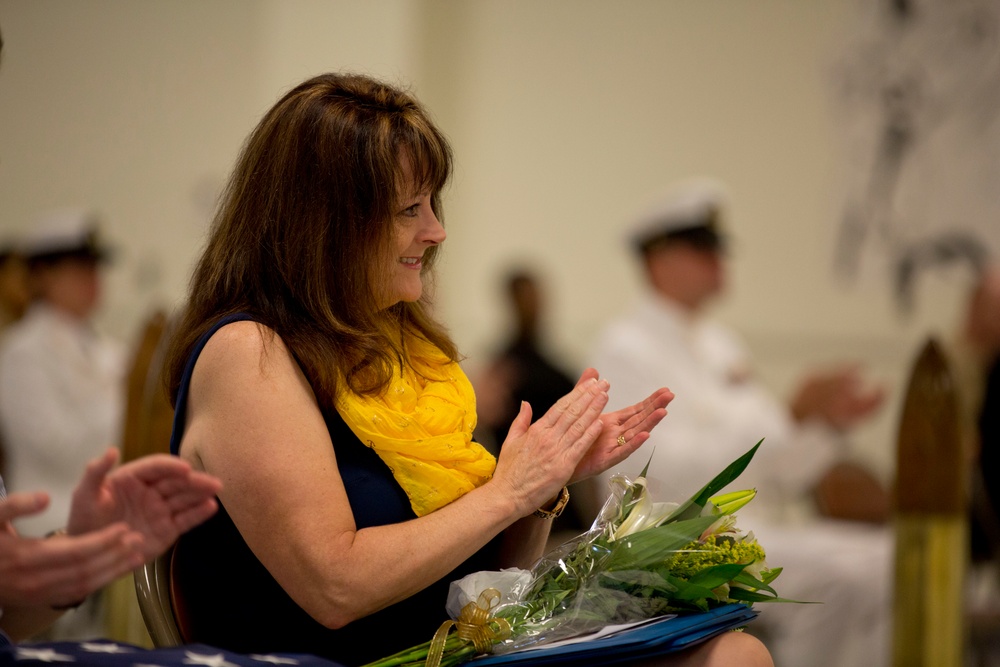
303 229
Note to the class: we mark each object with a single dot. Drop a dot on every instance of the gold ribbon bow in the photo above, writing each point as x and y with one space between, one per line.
474 625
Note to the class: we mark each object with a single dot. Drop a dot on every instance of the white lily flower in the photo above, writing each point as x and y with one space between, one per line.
660 512
638 512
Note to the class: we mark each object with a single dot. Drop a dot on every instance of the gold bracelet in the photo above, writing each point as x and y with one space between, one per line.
556 509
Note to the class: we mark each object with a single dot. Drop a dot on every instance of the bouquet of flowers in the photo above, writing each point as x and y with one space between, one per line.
641 559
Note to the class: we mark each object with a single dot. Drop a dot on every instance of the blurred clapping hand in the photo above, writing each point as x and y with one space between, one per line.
119 518
840 398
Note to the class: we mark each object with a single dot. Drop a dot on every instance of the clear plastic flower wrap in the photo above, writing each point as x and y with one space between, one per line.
641 559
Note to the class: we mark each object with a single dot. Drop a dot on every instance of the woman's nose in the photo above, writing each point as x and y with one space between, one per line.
433 231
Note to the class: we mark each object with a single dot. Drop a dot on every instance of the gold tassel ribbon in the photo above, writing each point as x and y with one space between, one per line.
474 625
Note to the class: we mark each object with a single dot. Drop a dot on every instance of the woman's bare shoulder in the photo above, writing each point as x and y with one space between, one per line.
238 344
247 382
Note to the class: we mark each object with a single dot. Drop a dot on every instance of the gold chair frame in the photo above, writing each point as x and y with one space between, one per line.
152 588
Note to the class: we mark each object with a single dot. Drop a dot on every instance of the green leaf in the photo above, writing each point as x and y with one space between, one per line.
691 592
743 595
653 545
747 579
645 468
767 576
692 507
716 575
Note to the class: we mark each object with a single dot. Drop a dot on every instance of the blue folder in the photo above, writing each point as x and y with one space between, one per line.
661 637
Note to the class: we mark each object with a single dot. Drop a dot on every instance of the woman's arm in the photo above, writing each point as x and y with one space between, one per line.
253 421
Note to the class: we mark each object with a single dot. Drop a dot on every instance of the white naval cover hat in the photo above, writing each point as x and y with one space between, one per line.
63 232
692 207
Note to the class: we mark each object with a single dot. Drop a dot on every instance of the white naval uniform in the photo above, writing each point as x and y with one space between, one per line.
719 412
61 404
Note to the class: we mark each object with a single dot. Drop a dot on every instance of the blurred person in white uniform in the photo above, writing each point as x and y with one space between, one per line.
61 384
721 411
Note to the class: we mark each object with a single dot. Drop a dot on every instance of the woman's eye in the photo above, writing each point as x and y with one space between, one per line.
411 211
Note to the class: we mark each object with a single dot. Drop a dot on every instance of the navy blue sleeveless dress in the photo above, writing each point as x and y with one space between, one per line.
231 601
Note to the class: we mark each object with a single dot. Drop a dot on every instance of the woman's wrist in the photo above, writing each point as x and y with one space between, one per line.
555 507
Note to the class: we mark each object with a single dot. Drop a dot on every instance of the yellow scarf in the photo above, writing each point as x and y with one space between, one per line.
421 427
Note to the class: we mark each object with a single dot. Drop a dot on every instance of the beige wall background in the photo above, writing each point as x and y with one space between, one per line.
564 116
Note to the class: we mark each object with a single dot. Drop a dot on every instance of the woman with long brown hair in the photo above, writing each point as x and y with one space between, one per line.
309 375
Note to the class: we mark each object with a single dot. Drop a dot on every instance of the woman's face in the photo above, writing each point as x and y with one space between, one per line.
416 228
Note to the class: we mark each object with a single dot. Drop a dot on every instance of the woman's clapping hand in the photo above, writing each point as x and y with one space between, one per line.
573 440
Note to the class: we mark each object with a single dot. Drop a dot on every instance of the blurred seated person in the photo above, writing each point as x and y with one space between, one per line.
308 373
975 351
720 411
119 518
522 370
61 383
989 461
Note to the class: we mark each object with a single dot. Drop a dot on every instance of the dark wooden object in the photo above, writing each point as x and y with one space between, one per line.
930 520
148 414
